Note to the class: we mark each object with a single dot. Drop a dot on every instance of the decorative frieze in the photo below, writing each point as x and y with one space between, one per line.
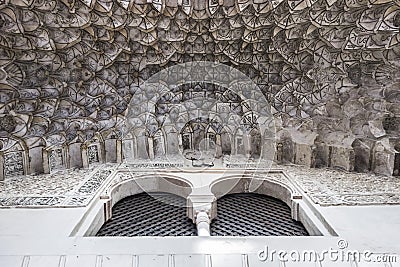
65 188
325 187
328 187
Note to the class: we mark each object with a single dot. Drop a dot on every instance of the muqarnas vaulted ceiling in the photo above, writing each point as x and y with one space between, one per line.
68 68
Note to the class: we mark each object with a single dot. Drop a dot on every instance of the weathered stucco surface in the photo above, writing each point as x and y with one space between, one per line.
329 69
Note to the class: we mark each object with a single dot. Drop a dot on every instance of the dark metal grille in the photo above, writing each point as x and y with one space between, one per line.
145 215
254 215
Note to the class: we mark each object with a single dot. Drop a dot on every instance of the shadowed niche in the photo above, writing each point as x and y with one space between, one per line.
159 214
247 214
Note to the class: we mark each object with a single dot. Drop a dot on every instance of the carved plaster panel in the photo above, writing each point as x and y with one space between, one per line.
68 69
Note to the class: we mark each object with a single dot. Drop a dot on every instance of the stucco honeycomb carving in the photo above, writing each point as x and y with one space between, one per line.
68 69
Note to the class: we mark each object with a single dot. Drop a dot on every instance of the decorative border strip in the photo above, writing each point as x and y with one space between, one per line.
80 197
154 165
106 176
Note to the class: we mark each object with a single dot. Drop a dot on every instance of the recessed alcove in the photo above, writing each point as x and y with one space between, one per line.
259 188
249 214
155 214
257 205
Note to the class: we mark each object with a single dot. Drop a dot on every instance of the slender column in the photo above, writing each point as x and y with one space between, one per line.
202 208
218 146
150 141
143 147
107 206
247 145
203 224
85 159
2 166
46 163
119 151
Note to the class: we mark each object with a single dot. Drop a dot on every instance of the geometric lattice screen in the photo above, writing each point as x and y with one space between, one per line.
254 215
145 215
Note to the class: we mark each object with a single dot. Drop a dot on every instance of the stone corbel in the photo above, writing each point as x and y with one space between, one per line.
202 209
